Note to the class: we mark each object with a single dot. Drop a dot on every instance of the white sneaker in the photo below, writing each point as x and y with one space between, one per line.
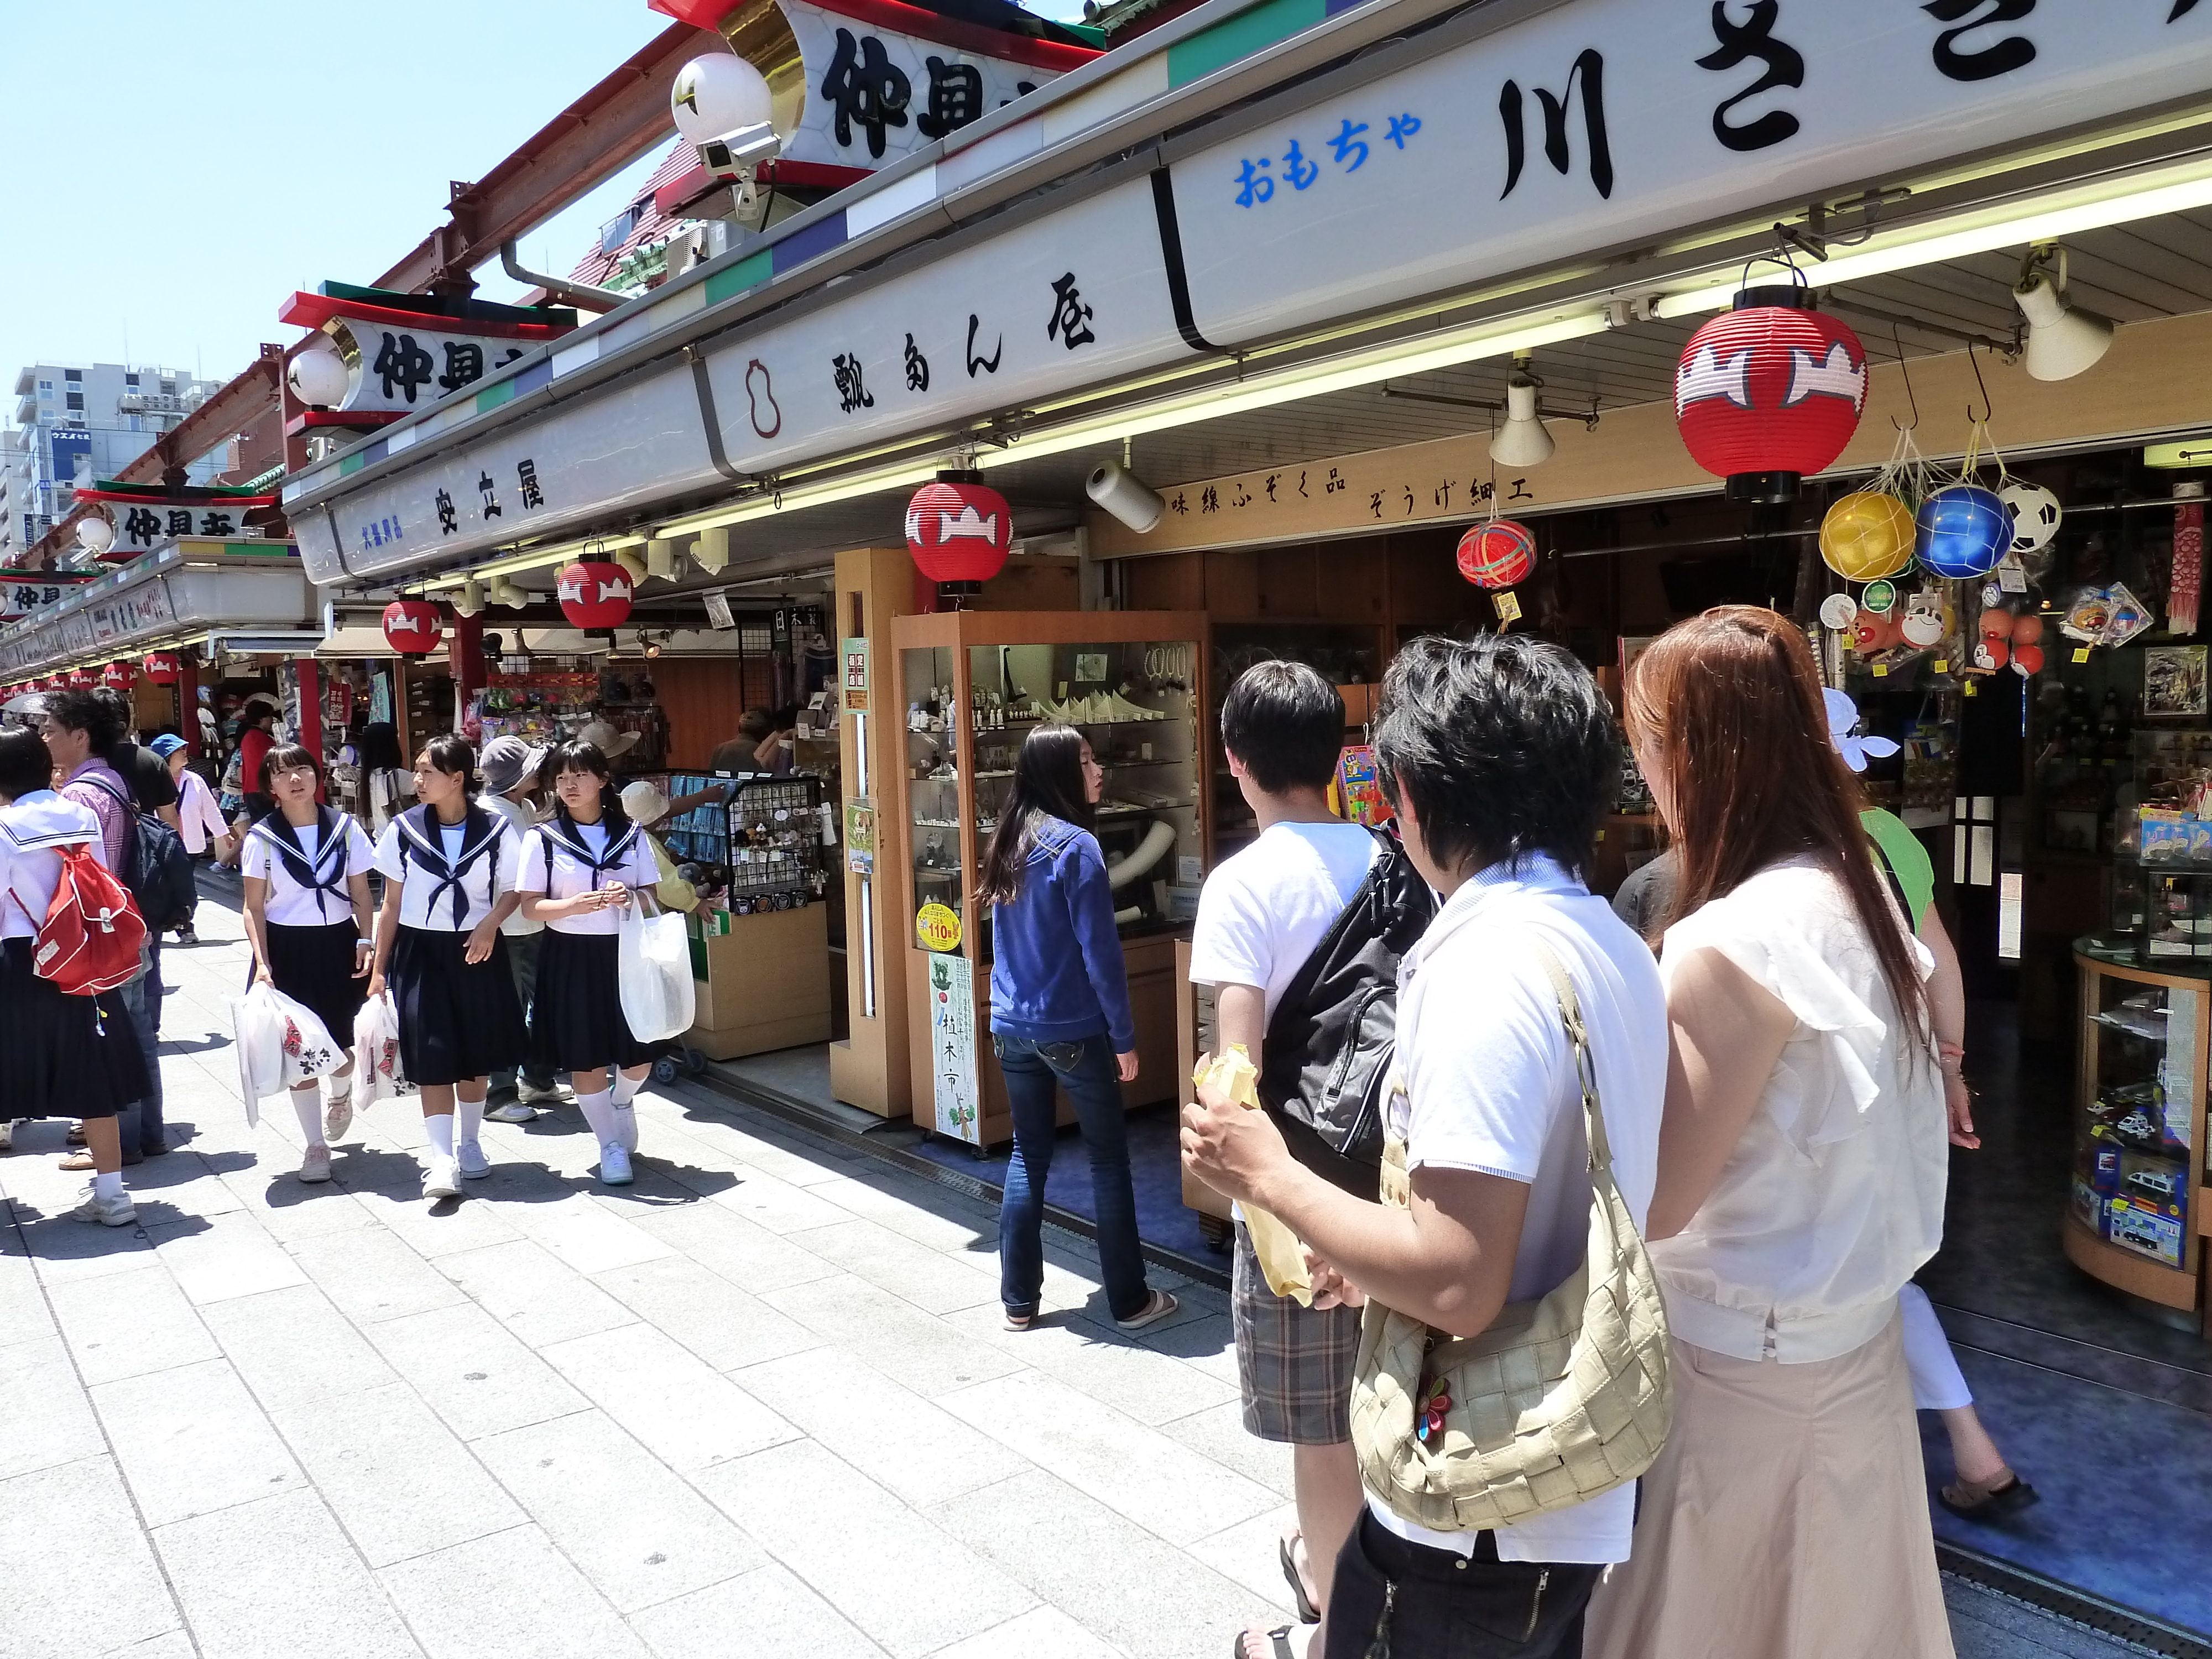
117 1212
316 1165
626 1128
441 1179
474 1166
511 1111
527 1093
614 1163
337 1118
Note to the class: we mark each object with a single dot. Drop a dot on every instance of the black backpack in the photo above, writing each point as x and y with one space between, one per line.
1333 1036
157 868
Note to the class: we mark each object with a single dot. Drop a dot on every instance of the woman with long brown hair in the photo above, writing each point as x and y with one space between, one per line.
1802 1169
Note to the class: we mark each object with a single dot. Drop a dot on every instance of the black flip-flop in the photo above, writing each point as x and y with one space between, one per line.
1279 1638
1307 1613
1977 1500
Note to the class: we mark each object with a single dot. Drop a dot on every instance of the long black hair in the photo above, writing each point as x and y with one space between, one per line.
1048 783
25 766
579 756
456 757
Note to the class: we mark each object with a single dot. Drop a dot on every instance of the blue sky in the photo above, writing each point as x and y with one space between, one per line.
176 167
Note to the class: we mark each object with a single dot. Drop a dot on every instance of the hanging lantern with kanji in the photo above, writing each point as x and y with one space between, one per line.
1770 391
413 627
161 667
594 594
116 677
1494 556
959 531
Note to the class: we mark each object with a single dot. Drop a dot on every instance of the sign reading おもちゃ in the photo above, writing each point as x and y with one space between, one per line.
885 80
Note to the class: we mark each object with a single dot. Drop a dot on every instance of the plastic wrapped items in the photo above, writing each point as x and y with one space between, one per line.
1282 1257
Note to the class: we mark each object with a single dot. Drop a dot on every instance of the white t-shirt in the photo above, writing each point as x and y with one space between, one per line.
1491 1087
289 904
1264 910
550 866
30 826
1834 1196
495 863
197 814
517 924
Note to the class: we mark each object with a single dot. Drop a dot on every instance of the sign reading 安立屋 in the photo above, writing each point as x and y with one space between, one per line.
875 94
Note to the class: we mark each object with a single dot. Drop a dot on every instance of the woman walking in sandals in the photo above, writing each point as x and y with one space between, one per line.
449 870
1059 1015
580 872
308 917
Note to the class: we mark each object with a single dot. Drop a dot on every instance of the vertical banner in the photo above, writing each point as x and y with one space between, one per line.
952 1047
853 653
2188 568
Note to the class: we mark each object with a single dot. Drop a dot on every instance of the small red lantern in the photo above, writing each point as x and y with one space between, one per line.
1498 554
413 627
1770 391
959 531
161 667
116 676
78 680
595 593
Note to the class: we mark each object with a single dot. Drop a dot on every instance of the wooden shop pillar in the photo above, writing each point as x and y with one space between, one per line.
871 1069
464 652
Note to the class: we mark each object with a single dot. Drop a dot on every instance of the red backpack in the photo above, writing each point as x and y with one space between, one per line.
90 940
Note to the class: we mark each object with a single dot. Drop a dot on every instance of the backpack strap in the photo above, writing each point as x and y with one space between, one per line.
1379 870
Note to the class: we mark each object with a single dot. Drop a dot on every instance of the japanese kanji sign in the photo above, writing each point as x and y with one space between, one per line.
394 366
144 522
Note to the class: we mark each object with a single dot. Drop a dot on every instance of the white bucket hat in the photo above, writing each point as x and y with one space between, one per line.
610 742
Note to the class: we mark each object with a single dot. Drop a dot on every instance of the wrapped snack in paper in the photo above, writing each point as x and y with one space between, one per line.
1282 1257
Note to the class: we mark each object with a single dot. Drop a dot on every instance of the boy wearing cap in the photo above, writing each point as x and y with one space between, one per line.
198 819
509 769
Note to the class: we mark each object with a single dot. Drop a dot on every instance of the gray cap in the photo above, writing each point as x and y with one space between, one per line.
506 761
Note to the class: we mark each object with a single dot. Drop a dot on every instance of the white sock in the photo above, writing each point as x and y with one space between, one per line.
626 1087
471 1112
109 1185
339 1086
598 1111
441 1131
309 1106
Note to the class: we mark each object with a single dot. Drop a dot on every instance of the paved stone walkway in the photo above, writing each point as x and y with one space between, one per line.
758 1404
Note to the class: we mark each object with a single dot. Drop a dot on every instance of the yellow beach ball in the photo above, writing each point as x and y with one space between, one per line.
1867 534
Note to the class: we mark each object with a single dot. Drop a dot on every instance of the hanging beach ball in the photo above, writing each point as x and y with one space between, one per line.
1498 554
1962 530
2035 514
1769 392
1867 535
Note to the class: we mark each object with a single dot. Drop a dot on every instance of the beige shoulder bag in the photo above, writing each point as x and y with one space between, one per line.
1560 1400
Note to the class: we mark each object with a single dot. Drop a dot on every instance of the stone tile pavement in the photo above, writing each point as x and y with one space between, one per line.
756 1404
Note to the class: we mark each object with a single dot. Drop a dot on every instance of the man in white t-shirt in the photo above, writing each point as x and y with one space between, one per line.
1499 757
1263 913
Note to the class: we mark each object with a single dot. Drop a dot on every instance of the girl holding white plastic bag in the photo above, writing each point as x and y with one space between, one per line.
308 917
580 872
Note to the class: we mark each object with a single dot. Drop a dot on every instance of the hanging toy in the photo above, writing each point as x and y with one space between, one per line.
1961 531
1989 655
2035 513
1867 534
2027 630
1843 732
1927 619
1494 556
1837 612
1871 631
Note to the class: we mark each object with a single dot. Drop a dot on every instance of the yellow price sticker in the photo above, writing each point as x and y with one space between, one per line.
2081 654
938 927
1973 688
1942 665
1882 671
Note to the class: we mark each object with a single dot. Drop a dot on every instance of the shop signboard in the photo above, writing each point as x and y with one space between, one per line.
145 519
402 367
853 653
874 95
129 614
953 1048
19 599
1604 124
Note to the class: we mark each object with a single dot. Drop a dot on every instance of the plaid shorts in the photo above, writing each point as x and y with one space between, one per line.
1294 1364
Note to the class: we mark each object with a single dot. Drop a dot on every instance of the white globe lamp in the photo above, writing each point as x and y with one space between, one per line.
95 535
723 107
319 376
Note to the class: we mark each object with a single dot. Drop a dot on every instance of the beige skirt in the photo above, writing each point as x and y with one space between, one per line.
1787 1518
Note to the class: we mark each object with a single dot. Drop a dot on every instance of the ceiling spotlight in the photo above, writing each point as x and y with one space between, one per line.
502 590
1522 440
1124 495
2063 339
469 600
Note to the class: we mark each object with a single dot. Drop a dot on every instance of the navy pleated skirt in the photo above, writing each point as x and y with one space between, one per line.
456 1022
576 1022
60 1055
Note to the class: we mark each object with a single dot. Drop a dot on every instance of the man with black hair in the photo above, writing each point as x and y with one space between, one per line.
1264 911
1499 757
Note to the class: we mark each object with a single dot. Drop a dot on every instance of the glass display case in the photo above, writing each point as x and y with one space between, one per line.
972 686
2139 1119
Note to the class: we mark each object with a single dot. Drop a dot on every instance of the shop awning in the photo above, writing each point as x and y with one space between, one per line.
1506 177
185 590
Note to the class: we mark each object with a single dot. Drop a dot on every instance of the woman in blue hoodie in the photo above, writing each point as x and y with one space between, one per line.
1059 1013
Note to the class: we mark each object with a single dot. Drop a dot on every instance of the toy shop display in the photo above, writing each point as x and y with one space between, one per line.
545 704
1867 533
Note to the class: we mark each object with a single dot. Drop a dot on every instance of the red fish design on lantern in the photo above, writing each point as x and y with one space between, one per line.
594 594
1770 391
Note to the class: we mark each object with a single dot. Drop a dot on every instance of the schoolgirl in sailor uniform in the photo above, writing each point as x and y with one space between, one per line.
307 918
581 871
449 869
60 1055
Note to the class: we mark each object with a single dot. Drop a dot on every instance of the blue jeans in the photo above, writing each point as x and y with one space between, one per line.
1086 1069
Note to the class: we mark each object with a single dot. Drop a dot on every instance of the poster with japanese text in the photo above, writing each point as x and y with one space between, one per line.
952 1047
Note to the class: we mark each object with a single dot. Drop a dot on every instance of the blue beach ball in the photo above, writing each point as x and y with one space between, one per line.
1962 530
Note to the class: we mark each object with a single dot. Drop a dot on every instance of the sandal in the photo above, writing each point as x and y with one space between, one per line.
76 1136
1156 1307
76 1161
1279 1642
1988 1500
1286 1552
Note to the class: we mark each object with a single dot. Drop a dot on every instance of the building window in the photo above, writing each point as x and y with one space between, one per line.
131 378
137 424
74 400
73 374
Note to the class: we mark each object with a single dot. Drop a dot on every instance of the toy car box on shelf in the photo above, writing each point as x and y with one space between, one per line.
2149 1230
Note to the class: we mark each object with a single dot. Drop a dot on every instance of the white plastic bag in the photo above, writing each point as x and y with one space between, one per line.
378 1072
657 998
280 1043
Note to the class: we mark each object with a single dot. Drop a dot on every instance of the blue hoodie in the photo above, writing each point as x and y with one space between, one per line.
1057 973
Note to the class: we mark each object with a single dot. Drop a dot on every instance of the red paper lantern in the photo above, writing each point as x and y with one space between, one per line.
413 627
959 531
78 680
595 593
161 667
1496 554
1769 392
116 676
